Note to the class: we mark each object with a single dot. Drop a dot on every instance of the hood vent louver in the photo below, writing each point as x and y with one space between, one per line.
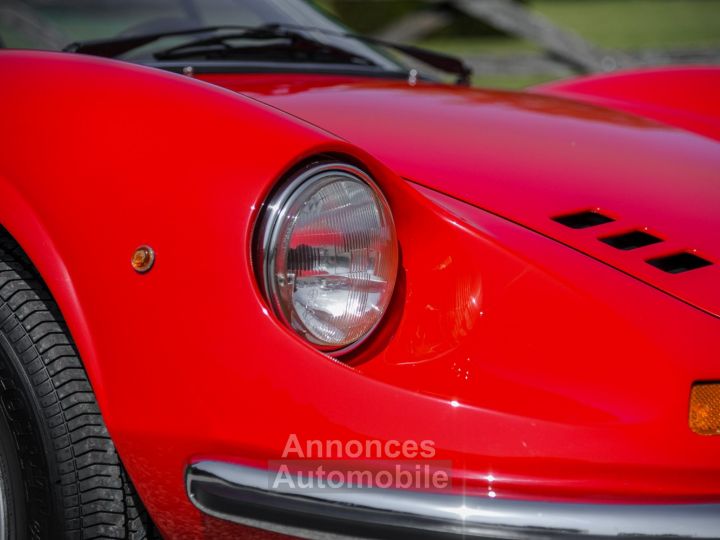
583 220
679 262
675 263
631 240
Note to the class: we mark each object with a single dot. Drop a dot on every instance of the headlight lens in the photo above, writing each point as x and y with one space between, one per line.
329 255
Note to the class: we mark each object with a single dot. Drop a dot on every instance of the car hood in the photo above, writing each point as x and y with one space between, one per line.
530 158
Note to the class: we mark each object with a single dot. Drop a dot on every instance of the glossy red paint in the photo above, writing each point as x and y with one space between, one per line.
559 376
529 158
679 96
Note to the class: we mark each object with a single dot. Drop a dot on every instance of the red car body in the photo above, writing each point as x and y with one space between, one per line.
545 364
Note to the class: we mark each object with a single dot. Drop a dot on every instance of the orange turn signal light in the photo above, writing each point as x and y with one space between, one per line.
705 408
143 259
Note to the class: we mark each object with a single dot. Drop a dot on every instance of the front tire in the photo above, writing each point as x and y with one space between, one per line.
12 501
72 484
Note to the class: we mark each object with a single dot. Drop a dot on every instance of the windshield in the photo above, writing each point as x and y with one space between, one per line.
54 24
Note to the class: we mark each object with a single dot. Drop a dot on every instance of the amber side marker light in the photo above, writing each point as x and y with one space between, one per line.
705 408
143 259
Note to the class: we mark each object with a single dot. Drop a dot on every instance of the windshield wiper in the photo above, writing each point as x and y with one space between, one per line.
113 47
294 43
443 62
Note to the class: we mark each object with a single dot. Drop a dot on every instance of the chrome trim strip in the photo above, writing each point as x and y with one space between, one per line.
244 495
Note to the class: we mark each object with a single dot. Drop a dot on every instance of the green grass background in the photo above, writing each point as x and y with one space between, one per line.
612 24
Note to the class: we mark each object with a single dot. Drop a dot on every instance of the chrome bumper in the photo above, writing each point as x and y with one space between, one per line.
243 495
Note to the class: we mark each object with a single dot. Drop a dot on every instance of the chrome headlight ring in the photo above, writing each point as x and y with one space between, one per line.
328 253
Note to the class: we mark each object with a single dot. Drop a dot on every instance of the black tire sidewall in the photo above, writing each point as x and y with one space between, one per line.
38 505
11 482
65 474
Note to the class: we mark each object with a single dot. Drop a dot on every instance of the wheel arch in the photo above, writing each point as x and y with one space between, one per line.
21 221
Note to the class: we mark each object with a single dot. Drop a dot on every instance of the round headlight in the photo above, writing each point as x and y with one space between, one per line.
329 255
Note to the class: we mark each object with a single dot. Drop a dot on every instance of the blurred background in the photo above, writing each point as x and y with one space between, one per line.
517 43
509 43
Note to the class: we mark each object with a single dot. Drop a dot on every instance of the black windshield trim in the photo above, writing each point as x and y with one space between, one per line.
217 46
241 67
114 47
